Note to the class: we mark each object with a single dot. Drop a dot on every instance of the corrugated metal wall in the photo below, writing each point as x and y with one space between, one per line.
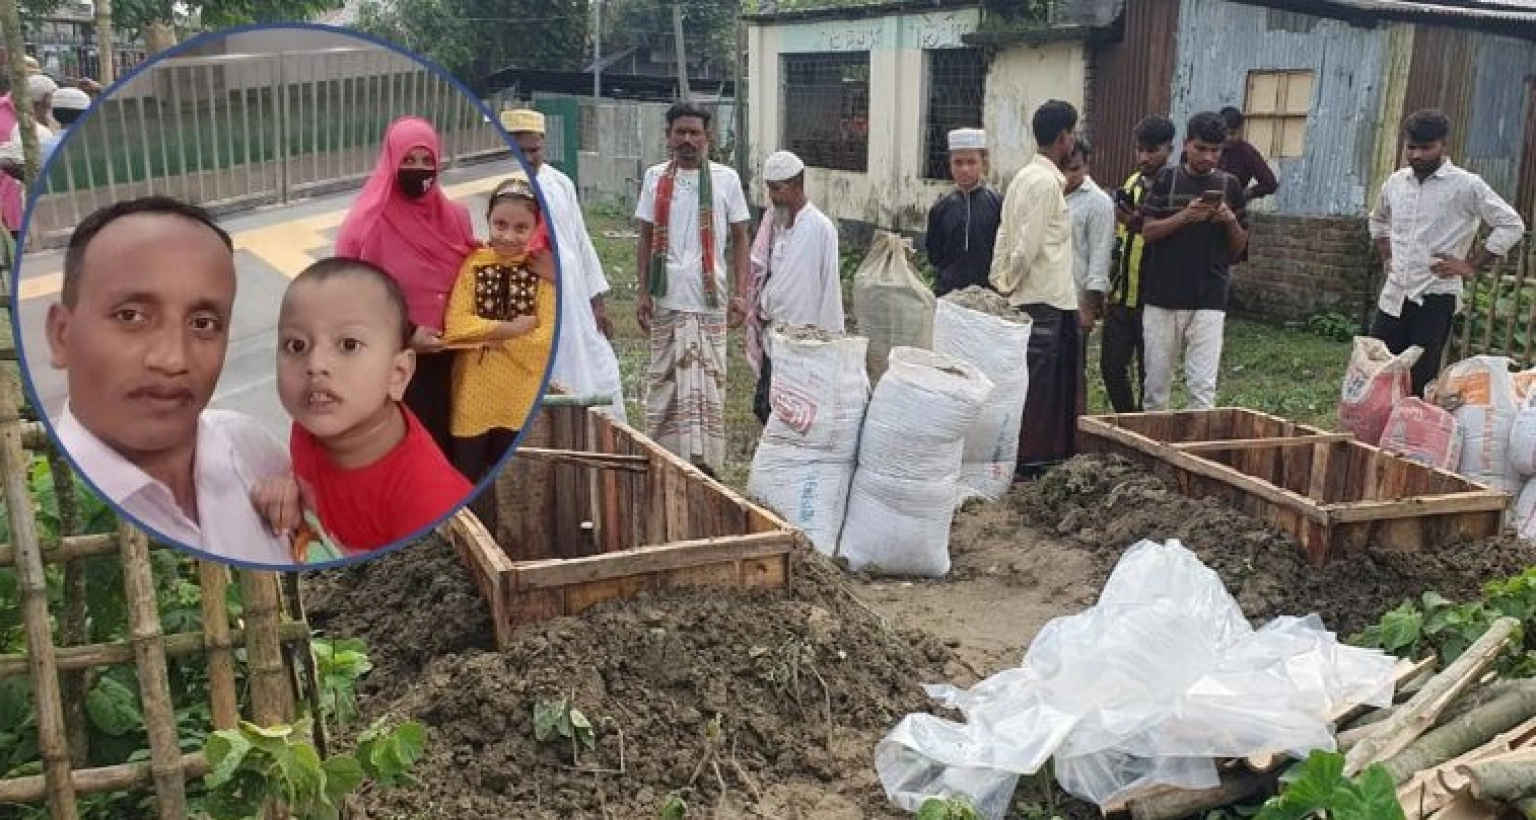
1480 82
1133 78
1219 43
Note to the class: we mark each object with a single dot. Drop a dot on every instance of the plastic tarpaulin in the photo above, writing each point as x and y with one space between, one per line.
1149 686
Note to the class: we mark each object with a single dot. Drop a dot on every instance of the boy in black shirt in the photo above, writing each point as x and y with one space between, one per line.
1195 227
962 226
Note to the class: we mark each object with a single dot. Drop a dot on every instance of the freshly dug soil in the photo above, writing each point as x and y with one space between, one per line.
1105 504
652 675
805 333
983 300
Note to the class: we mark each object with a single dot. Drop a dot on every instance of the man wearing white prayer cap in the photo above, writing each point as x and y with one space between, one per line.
962 225
795 273
69 104
585 362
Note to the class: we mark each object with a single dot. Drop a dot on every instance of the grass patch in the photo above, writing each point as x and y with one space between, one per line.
1289 372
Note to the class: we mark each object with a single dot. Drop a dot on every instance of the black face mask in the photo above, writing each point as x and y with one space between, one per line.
415 182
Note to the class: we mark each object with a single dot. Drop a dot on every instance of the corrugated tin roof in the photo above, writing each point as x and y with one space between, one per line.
1513 17
856 12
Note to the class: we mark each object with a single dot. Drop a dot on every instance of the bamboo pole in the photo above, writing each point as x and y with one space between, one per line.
154 684
106 654
32 789
224 704
66 549
51 737
1421 712
302 662
73 685
271 697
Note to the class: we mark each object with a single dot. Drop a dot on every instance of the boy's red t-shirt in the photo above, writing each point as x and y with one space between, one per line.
411 487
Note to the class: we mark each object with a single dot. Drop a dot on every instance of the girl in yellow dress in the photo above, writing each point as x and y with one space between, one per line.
502 315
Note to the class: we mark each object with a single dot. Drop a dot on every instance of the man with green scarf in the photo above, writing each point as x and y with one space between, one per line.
685 299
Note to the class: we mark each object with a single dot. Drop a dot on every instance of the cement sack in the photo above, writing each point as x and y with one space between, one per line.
1522 438
1423 432
997 347
1524 519
1482 389
902 500
1375 381
892 306
1524 381
808 450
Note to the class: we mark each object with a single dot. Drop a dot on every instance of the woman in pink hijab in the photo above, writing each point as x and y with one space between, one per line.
403 223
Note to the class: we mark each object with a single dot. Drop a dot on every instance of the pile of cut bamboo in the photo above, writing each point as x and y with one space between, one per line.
1459 743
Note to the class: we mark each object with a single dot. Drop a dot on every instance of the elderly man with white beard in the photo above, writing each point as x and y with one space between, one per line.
795 274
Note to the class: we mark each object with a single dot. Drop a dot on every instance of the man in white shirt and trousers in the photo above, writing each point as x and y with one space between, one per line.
1093 249
795 272
585 363
1424 227
141 328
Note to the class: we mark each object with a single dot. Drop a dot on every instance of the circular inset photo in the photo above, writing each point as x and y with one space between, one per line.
288 295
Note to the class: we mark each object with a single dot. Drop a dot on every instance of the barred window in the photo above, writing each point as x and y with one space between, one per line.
956 83
826 109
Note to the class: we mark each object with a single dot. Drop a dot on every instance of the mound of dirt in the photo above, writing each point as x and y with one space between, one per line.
1105 504
790 691
410 606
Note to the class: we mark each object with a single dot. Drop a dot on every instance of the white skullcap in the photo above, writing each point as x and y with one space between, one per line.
71 99
40 86
522 121
967 139
781 166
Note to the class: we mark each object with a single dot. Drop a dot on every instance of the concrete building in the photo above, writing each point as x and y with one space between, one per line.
866 96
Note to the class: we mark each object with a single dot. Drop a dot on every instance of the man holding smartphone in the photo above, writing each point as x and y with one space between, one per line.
1194 227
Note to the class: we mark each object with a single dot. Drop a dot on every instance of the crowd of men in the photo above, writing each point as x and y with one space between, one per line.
1149 260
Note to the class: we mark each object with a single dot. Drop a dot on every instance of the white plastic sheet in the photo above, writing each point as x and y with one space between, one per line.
1147 687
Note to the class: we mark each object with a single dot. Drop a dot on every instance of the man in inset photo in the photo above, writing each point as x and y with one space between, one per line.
141 328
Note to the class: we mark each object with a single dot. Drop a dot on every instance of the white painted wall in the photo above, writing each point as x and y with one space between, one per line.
892 194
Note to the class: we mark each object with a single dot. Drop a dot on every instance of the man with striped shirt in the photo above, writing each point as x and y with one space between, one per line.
1122 342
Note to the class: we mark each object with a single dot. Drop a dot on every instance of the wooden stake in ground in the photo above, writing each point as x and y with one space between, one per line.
154 684
30 576
73 625
1416 716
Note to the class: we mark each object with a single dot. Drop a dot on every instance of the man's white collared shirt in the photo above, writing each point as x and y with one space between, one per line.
234 454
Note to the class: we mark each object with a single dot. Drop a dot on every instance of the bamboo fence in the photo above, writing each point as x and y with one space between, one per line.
275 637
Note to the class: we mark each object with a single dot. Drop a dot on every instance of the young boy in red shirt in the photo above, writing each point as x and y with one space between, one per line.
366 474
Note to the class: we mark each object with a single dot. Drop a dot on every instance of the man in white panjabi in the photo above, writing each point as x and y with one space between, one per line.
795 272
585 363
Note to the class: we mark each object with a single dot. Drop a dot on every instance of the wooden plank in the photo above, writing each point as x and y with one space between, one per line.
567 483
530 605
658 488
718 574
614 491
544 574
524 500
1256 443
580 597
586 478
1485 501
488 567
765 573
586 458
1254 486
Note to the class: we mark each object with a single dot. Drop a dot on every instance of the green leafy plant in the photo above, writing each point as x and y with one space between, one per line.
1436 624
340 664
1333 325
947 808
554 719
672 808
1317 787
254 766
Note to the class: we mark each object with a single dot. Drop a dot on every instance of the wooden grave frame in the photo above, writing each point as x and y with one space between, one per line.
1334 494
655 522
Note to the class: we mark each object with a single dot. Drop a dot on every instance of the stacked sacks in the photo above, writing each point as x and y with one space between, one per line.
1422 432
892 306
806 457
978 326
1375 382
1522 453
1482 392
903 496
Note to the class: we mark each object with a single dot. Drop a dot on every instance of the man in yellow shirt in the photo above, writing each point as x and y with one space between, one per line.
1032 268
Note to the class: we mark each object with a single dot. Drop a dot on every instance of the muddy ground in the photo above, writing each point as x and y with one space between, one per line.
789 693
